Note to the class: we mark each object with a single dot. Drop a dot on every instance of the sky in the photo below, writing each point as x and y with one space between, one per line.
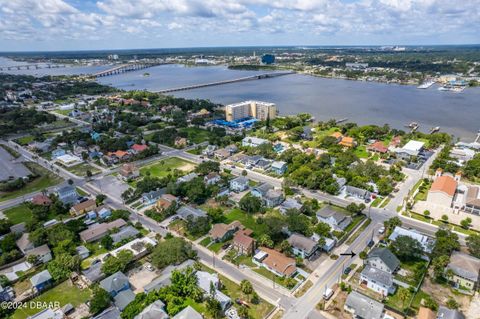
38 25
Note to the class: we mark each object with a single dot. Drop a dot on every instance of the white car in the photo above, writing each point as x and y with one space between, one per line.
381 230
327 294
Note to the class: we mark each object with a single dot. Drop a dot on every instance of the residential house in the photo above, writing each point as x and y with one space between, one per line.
232 148
263 164
48 313
383 259
115 283
307 133
426 242
82 252
334 218
138 148
123 299
409 150
57 153
273 197
251 160
279 167
97 231
472 200
252 141
446 313
356 192
261 190
290 203
465 269
152 196
187 178
239 184
165 201
426 313
377 147
118 156
221 154
275 262
67 194
188 313
43 253
18 229
41 281
243 243
24 243
347 142
302 246
138 247
188 211
6 294
129 171
222 232
377 280
363 307
93 273
206 280
165 278
83 207
209 150
124 233
41 200
104 212
212 178
154 310
338 136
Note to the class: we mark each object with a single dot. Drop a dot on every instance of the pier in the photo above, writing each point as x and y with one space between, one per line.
246 78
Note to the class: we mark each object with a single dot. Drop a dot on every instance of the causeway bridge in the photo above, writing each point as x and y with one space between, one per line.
31 67
128 67
246 78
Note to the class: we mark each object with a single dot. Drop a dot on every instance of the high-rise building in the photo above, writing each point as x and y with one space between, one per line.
257 109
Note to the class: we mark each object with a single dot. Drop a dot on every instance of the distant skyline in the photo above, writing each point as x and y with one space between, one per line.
55 25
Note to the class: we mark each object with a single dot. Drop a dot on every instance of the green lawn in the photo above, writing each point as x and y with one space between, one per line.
25 140
215 247
19 214
247 220
385 202
63 112
270 275
377 201
164 167
358 232
395 302
416 268
196 135
204 242
10 150
361 151
45 180
81 169
64 293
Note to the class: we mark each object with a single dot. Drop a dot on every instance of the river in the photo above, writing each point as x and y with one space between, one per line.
361 102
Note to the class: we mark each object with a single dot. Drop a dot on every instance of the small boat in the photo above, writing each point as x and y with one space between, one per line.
412 125
434 129
342 120
426 85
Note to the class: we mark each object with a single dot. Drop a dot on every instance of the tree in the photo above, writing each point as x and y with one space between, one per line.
322 229
63 265
404 295
119 263
213 308
172 251
100 300
242 312
266 241
197 226
298 223
438 265
246 287
446 242
473 244
466 223
444 218
107 242
392 223
250 204
452 303
70 181
208 166
286 248
100 198
355 209
244 172
33 259
426 213
406 248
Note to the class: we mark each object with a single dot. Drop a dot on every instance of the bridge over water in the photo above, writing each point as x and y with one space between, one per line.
127 68
246 78
31 67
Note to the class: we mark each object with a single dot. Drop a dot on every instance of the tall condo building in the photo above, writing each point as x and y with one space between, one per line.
257 109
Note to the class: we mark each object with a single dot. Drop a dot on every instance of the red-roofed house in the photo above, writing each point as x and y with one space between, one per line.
442 190
377 147
42 200
138 148
243 243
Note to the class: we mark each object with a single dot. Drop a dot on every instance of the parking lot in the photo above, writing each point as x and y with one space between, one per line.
141 276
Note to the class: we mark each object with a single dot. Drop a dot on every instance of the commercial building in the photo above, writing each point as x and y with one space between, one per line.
256 109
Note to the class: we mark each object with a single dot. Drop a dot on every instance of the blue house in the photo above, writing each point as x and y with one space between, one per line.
115 283
95 136
95 154
41 281
91 215
57 153
104 213
152 196
261 190
67 194
279 167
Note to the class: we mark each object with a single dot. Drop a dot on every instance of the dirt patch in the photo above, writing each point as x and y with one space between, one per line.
140 277
336 306
441 293
187 167
474 308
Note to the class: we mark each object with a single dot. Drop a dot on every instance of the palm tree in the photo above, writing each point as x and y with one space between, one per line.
403 295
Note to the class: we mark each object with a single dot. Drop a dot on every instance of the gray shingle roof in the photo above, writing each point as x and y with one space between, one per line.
188 313
153 311
124 298
302 242
40 278
110 313
464 265
386 256
124 233
445 313
364 306
186 211
328 211
263 188
115 282
378 275
94 272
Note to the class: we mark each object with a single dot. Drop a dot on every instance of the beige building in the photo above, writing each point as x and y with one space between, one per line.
257 109
443 189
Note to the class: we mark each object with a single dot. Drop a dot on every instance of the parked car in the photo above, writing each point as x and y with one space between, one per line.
371 243
149 267
327 294
347 270
381 230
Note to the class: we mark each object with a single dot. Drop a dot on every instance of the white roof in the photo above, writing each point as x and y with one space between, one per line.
249 102
67 158
424 240
261 254
413 146
130 246
254 140
278 164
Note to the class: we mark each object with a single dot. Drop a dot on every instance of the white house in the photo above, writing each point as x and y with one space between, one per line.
383 259
377 280
239 184
253 141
